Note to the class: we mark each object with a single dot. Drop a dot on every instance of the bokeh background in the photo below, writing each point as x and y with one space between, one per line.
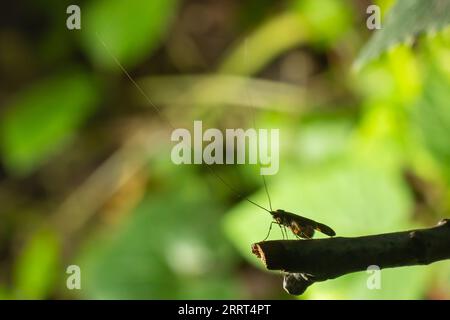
85 170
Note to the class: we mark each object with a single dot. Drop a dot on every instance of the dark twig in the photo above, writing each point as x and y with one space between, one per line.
309 261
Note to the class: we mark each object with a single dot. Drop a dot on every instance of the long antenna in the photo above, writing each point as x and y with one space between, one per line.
234 190
134 82
254 125
165 118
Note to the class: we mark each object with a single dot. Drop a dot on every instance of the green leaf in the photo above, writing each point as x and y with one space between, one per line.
4 293
432 115
37 267
42 117
405 20
407 283
130 29
329 20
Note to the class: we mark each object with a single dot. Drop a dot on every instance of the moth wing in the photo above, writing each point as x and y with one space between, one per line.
295 227
306 232
325 229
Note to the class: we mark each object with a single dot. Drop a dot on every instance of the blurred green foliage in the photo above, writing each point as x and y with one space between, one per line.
365 152
329 20
43 116
131 29
432 116
37 267
162 252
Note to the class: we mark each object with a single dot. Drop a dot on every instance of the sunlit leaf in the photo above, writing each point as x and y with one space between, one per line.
328 20
396 283
37 266
4 293
41 118
433 116
131 29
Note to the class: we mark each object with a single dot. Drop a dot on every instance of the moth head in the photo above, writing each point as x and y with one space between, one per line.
277 215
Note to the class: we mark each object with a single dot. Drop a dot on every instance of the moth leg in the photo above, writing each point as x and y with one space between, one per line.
304 236
270 228
285 232
281 229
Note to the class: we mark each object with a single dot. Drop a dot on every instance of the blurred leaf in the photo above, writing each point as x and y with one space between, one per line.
396 78
405 20
441 282
169 247
131 29
397 283
328 19
4 293
204 91
384 5
37 266
437 49
432 115
322 140
286 31
43 117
